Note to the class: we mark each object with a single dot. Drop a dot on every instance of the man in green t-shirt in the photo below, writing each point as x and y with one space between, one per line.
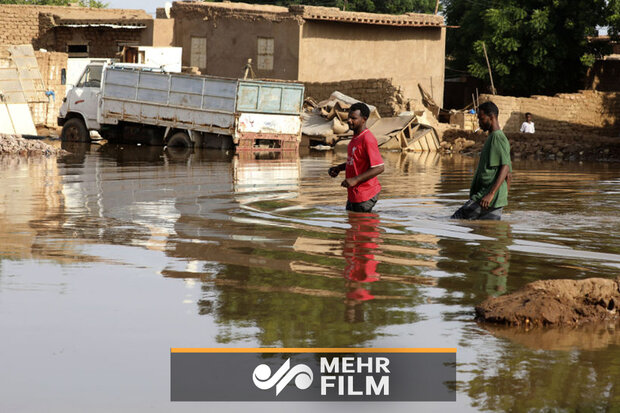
488 193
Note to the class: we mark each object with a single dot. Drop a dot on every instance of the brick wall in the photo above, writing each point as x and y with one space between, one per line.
38 25
20 24
381 93
102 42
50 66
570 113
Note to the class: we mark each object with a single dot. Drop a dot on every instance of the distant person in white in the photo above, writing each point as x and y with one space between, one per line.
528 125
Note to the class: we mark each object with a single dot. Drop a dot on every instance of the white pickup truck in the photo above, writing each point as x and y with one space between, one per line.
141 105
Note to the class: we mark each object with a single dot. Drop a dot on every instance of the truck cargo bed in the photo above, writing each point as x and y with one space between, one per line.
247 110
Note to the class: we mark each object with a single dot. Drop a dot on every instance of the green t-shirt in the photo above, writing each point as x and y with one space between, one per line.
495 153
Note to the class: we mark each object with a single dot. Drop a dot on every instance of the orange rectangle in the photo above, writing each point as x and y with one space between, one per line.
313 350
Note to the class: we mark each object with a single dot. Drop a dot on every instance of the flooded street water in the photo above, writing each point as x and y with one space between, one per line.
113 255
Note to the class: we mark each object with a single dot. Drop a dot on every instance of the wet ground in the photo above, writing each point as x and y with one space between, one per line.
113 255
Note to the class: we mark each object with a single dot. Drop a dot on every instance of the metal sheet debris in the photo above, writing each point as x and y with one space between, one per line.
29 75
408 132
326 120
10 87
15 118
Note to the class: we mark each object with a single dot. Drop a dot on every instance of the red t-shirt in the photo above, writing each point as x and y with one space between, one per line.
363 154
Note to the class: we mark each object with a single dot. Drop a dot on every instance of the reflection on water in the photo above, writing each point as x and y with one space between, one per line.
157 249
517 378
588 337
360 245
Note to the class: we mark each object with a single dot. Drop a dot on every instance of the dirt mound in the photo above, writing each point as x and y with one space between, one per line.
15 144
554 302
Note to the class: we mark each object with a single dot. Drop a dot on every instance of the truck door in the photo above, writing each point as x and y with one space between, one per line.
86 94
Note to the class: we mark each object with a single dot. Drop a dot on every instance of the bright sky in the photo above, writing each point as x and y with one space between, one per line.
148 5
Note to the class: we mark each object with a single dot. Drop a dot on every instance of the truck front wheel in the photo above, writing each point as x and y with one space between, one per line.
74 130
180 139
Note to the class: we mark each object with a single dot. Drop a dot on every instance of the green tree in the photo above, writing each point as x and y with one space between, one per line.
613 18
371 6
534 46
84 3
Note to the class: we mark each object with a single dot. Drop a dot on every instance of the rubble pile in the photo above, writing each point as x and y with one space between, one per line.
326 121
539 145
383 93
567 147
15 144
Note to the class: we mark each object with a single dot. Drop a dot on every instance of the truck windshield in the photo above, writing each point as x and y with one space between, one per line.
91 77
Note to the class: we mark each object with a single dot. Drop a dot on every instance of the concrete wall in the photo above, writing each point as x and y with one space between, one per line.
574 113
232 40
380 93
333 51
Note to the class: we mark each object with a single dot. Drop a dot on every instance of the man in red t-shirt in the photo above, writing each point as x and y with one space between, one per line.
363 163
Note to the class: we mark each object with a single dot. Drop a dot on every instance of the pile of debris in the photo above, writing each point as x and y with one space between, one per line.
542 146
325 124
16 145
457 140
458 126
431 129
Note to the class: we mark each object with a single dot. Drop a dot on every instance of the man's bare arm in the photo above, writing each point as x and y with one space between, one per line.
335 170
363 177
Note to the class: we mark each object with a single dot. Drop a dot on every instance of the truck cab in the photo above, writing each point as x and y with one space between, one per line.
79 113
79 110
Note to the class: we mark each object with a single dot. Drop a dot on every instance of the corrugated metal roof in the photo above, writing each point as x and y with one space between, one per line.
337 15
311 13
108 25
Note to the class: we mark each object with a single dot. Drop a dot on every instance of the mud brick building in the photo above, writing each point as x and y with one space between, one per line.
60 33
314 45
81 31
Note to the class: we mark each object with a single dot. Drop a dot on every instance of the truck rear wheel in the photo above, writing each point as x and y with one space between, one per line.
180 139
74 130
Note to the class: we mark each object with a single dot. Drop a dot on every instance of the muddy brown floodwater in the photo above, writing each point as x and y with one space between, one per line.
111 256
